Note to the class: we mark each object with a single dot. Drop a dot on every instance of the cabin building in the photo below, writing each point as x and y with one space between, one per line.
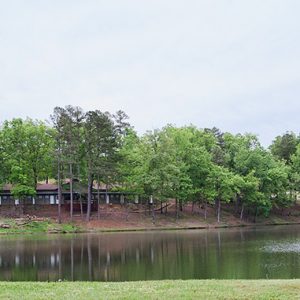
47 194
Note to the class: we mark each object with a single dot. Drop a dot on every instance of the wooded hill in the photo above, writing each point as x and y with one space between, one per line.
186 163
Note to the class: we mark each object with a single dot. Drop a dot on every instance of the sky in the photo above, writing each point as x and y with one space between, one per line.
227 63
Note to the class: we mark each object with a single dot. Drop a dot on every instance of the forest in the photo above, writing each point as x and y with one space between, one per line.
186 164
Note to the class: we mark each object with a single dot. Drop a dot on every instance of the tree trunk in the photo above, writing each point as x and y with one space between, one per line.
81 208
242 212
98 198
294 196
218 210
161 207
193 203
177 210
205 210
35 177
80 195
127 212
22 205
59 192
255 215
89 200
153 213
237 204
71 192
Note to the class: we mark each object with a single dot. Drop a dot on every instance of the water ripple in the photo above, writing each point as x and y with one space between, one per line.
282 247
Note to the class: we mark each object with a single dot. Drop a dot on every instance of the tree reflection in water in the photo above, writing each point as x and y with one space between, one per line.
235 253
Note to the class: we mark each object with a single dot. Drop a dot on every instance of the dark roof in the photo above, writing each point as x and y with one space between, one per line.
40 187
46 187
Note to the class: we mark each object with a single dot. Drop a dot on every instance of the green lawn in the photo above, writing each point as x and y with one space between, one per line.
168 289
19 226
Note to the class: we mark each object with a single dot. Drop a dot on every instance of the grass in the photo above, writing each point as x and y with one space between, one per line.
167 289
17 226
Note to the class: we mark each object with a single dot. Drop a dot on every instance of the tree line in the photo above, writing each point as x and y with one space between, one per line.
188 164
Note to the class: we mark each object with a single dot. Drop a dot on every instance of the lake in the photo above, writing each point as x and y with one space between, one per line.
240 253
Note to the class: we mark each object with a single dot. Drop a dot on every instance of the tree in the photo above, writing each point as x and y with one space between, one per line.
167 171
70 126
121 123
132 162
26 145
295 174
100 147
248 158
284 146
58 118
223 187
249 193
192 147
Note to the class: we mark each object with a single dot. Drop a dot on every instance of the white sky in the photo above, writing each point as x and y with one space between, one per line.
227 63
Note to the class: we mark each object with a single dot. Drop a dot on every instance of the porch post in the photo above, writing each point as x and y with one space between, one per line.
136 199
151 199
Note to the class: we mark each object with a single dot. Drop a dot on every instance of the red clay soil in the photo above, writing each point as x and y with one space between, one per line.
137 217
118 218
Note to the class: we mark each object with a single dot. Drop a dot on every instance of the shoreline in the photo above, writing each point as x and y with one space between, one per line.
115 219
73 228
187 228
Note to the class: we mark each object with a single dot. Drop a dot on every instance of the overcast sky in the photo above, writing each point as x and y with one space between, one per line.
227 63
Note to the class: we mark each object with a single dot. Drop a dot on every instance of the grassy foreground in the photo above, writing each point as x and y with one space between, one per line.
167 289
26 226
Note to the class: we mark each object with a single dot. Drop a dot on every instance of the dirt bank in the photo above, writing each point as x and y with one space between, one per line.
135 218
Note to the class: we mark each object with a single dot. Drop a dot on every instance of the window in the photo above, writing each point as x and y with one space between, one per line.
52 199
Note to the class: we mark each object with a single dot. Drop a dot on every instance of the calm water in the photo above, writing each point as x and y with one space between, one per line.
270 252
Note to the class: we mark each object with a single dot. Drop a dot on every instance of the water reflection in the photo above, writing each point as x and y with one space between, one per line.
238 253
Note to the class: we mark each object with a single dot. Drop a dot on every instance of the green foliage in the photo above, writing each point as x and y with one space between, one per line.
100 143
26 152
295 173
20 191
283 147
189 164
186 163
